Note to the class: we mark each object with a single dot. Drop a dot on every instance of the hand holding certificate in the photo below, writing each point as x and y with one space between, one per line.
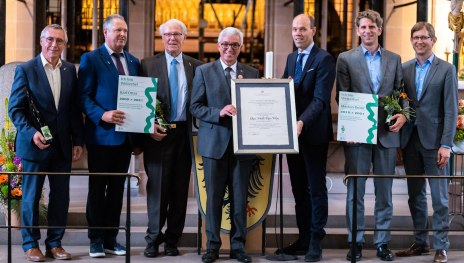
137 99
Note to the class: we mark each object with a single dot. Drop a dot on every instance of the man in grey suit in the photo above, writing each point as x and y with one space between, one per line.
167 158
373 70
211 104
432 85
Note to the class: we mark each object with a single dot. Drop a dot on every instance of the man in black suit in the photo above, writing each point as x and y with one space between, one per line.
211 104
313 72
51 83
167 154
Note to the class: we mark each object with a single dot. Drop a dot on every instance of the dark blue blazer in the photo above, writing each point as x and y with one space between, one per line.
98 88
65 123
313 93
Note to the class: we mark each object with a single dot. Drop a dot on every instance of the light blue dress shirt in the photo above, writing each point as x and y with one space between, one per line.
421 74
182 94
374 64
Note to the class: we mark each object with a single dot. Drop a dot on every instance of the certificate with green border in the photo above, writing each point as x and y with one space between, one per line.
357 117
137 99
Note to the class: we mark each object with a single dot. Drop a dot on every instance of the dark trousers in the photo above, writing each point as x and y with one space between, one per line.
230 171
168 165
104 200
308 178
58 202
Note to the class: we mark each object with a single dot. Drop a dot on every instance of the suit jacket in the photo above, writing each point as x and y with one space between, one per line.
210 94
353 76
312 95
65 123
436 111
156 67
98 87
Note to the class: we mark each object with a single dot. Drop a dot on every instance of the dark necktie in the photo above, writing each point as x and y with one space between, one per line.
117 56
298 68
228 76
173 82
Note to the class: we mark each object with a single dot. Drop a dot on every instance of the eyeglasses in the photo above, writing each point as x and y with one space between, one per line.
226 45
58 41
175 35
422 38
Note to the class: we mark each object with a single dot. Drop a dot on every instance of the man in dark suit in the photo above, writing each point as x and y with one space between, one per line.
51 84
313 72
167 154
371 69
211 104
108 151
432 86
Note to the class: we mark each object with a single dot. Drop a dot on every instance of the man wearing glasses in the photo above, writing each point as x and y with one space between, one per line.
51 83
167 154
211 104
431 83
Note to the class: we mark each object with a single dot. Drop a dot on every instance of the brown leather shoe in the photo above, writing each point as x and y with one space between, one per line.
440 256
414 250
35 255
58 253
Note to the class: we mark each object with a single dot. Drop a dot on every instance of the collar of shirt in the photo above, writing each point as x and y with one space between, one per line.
429 60
110 51
234 68
306 51
169 58
367 53
45 62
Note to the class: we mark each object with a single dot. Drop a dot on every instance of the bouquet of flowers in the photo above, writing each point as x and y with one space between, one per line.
459 136
9 162
160 118
393 105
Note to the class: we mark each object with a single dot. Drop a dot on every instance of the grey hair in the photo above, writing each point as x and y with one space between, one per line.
174 21
109 20
230 31
56 27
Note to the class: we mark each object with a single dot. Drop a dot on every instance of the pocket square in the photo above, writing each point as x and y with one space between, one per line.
311 69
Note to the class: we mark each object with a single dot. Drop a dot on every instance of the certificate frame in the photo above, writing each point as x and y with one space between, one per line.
246 131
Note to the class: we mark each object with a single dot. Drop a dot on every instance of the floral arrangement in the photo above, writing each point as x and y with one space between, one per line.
459 136
160 118
9 162
392 105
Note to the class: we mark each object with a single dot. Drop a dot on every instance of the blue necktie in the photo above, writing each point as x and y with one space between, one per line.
298 68
173 82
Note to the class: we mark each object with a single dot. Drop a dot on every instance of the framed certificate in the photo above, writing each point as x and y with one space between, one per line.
357 117
137 99
266 116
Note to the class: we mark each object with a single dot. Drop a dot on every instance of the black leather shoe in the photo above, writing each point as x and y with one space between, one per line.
171 250
313 257
358 254
240 255
384 253
151 251
314 252
296 248
210 256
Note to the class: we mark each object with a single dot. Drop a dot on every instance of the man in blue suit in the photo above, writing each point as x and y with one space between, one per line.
371 69
211 104
313 72
108 151
51 84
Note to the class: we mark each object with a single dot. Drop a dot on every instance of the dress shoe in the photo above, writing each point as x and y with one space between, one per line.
384 253
151 251
35 255
314 252
297 248
171 250
414 250
440 256
358 252
210 256
240 255
57 253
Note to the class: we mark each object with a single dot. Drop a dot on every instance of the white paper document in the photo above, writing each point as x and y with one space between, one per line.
137 99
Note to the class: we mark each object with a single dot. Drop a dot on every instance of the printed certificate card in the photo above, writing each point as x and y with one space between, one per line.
357 117
137 99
